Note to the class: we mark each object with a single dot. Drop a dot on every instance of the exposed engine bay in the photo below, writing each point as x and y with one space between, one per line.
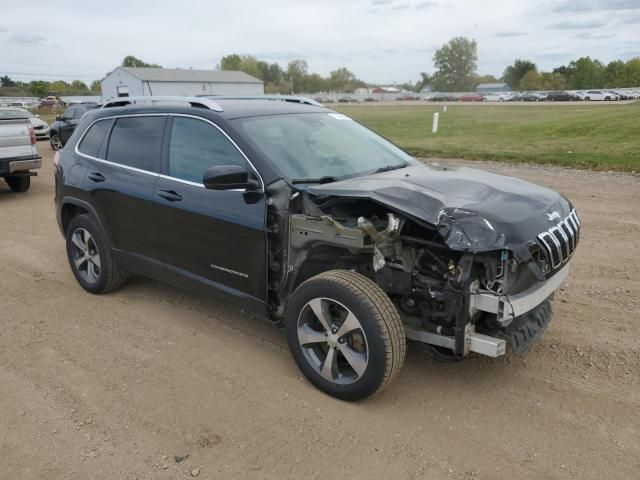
452 297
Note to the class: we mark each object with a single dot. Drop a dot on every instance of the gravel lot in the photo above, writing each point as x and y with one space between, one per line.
126 385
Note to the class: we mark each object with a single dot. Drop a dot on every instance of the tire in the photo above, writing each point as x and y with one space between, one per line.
607 99
587 99
364 354
98 273
18 184
55 141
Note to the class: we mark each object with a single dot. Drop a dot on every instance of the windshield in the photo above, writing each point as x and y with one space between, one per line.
15 113
318 145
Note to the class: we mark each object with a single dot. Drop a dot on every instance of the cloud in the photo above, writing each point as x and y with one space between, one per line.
27 40
577 24
401 6
629 20
425 5
592 36
377 3
600 5
510 34
3 30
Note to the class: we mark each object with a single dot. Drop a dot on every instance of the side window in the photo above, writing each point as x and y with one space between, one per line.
92 140
195 146
69 113
137 142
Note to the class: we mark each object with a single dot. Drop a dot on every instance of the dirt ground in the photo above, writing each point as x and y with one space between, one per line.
123 386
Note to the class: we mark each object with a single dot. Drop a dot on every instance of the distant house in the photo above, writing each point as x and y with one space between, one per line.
492 87
385 90
130 81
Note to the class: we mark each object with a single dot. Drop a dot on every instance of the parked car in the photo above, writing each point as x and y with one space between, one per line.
66 123
40 127
560 96
439 97
472 97
533 97
18 153
304 217
49 102
598 95
498 97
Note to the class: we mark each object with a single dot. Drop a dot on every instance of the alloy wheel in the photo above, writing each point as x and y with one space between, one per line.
85 255
333 341
55 142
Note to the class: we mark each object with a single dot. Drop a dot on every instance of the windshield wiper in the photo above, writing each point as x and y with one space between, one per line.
388 168
325 179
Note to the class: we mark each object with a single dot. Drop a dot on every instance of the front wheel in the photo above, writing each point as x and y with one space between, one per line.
18 184
55 141
345 334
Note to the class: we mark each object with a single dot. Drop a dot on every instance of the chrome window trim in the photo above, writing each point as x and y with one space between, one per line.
160 175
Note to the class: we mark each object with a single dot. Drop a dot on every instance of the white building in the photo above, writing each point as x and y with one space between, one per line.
129 81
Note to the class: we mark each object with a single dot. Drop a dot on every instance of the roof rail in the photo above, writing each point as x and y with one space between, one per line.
199 102
282 98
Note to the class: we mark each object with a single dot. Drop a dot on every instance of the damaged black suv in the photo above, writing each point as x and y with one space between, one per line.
302 216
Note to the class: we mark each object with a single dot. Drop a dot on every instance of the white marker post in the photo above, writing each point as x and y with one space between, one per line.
444 109
436 115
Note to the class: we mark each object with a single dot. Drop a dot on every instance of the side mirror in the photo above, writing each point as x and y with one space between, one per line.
228 177
58 118
37 116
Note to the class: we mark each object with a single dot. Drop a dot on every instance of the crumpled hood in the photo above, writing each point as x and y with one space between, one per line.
473 210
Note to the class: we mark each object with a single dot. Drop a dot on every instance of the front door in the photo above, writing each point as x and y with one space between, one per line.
213 240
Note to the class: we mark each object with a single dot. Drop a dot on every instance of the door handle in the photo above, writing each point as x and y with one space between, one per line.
170 195
96 177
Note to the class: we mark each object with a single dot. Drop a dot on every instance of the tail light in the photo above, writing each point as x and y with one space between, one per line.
56 158
32 134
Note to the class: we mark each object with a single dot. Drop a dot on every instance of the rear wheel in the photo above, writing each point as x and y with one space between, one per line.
55 141
345 334
90 256
19 184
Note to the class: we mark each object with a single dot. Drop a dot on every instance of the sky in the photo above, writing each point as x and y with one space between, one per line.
381 41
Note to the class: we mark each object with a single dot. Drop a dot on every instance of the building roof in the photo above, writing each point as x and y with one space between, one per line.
492 85
188 75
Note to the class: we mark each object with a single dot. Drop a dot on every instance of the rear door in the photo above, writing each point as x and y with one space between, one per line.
121 178
214 239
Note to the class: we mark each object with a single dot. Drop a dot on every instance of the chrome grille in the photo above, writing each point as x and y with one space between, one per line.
561 240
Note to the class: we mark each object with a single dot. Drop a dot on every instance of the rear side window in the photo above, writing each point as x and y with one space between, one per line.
93 139
137 142
195 146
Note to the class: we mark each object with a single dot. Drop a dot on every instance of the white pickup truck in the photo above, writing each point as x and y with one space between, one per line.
18 152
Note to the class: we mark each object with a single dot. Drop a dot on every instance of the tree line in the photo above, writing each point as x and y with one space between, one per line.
455 71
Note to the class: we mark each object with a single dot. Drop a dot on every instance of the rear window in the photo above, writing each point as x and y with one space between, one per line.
93 139
136 142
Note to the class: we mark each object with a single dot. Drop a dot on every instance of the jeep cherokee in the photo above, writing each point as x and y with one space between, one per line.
300 215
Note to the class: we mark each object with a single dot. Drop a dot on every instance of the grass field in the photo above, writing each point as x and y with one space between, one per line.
601 137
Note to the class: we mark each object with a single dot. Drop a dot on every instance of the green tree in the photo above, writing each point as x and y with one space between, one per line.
296 71
455 64
614 74
230 62
5 81
425 80
632 73
586 73
531 80
96 87
342 80
38 88
131 61
79 87
514 73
